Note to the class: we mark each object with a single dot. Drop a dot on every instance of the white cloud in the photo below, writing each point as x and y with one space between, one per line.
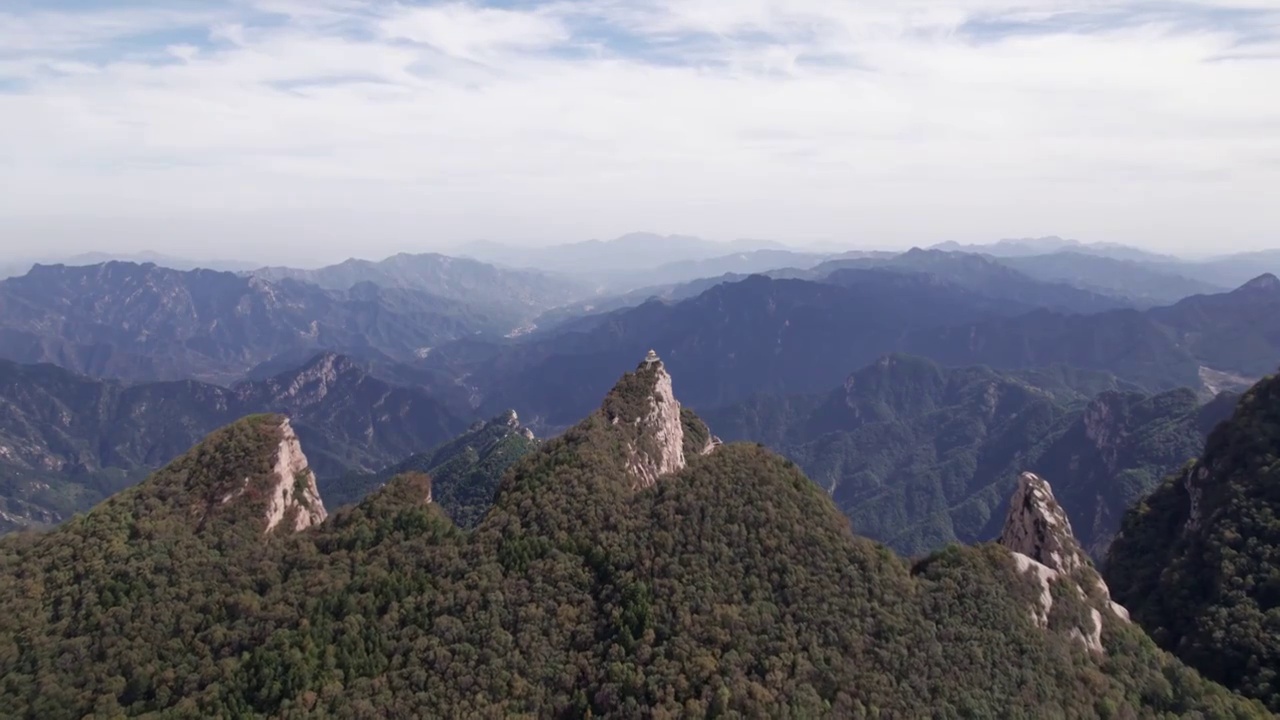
473 33
343 127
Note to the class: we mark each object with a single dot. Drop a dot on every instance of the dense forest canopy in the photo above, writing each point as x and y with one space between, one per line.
732 586
1198 562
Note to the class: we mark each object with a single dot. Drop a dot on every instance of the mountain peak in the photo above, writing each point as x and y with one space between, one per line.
644 401
1038 534
292 499
1037 527
310 383
292 487
249 474
1265 282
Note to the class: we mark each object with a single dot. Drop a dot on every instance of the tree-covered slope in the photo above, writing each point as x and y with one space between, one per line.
67 441
1198 562
919 455
464 471
726 585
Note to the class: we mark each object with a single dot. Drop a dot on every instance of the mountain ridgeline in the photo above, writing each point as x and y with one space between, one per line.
67 441
788 336
146 323
631 567
1198 562
919 456
464 471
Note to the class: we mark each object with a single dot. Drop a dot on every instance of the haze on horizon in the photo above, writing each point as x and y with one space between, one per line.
314 130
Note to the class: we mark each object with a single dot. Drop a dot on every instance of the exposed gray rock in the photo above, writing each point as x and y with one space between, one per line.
660 450
293 492
1038 534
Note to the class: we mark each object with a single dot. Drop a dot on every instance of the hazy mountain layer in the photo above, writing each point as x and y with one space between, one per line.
793 337
980 275
143 322
1144 284
919 456
514 296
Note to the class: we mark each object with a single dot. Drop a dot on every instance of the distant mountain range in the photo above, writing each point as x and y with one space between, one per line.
630 253
980 275
735 339
144 322
15 268
1221 341
1023 247
67 441
513 295
920 456
793 336
1142 284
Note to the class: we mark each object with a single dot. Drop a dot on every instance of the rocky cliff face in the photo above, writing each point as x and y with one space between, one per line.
294 499
1039 535
658 448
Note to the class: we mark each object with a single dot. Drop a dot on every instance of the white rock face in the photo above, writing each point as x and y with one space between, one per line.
1037 527
293 486
662 424
713 442
1045 576
1038 535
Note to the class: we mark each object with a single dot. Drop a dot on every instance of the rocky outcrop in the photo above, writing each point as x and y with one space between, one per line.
1038 534
293 499
512 420
713 442
660 448
1037 527
644 409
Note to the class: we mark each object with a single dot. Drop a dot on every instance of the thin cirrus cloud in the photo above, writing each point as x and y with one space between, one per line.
341 127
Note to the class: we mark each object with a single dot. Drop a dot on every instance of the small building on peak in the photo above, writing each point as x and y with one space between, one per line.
651 358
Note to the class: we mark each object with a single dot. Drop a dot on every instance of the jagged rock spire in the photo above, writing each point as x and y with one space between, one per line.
1038 534
645 401
294 496
1037 527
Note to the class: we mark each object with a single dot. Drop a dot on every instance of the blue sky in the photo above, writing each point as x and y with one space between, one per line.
274 129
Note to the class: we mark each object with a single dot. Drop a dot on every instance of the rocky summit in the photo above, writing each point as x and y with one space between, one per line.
651 406
1038 534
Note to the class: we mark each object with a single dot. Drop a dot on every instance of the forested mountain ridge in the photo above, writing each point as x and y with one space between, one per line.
791 337
67 441
920 456
1233 335
147 323
726 584
464 471
1198 562
731 341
